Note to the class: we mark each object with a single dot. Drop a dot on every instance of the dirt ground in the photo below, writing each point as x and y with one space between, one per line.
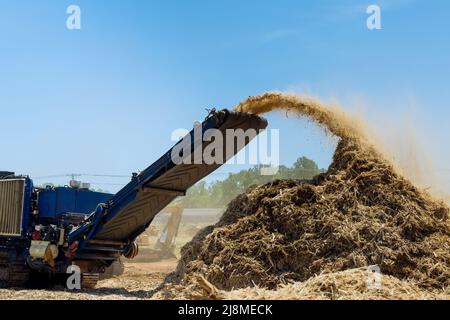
138 282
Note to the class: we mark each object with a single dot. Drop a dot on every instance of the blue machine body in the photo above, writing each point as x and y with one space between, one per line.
53 202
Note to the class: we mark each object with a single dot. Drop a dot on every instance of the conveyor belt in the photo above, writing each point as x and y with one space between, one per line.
133 208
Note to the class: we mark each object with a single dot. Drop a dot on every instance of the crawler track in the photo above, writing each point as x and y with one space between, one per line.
13 274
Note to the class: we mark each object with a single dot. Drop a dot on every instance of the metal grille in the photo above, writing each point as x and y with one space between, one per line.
11 206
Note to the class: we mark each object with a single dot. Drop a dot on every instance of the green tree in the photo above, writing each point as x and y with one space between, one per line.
220 193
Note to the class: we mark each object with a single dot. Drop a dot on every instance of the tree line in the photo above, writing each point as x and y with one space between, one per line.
218 194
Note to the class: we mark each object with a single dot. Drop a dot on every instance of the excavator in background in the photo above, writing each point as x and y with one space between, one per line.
47 232
164 248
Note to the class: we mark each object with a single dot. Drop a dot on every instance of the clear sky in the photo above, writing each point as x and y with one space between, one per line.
106 98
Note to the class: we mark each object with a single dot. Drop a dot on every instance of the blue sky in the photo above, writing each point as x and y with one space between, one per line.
105 99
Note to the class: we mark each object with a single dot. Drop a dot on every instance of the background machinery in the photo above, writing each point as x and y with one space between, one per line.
165 245
44 231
